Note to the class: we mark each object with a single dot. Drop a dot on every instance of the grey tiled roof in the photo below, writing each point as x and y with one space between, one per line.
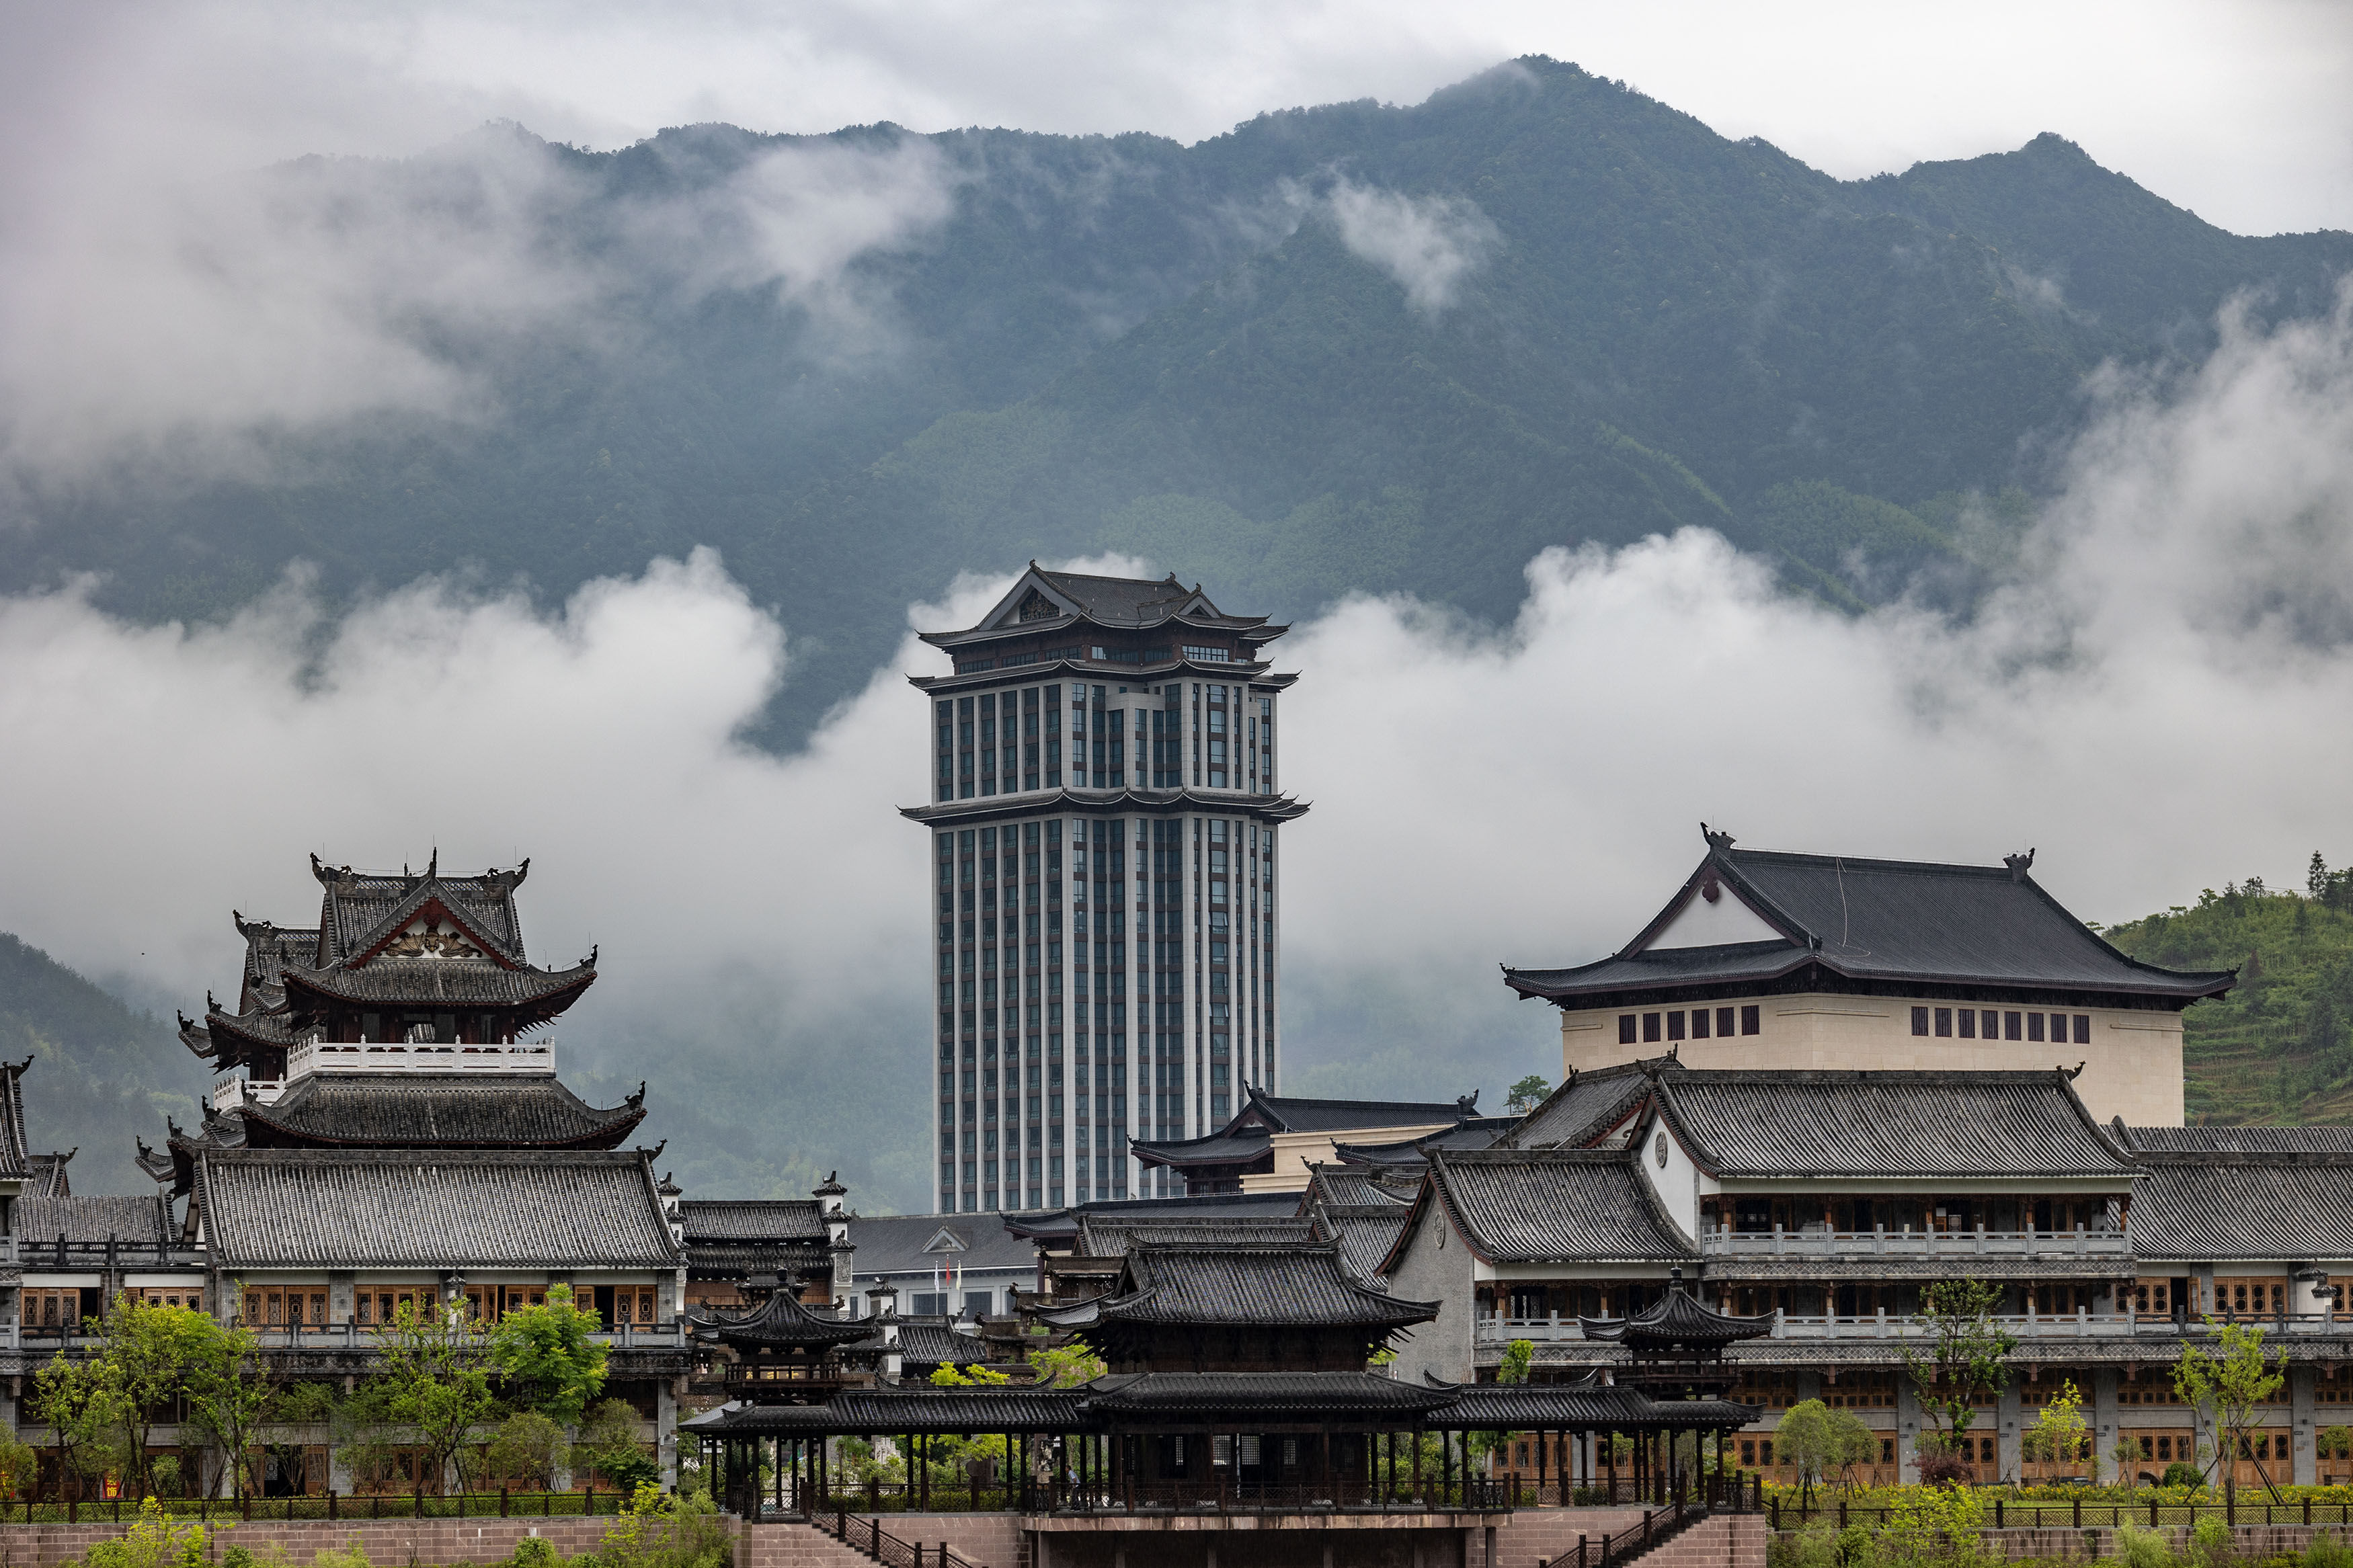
781 1319
426 981
1217 1149
2240 1140
936 1345
47 1176
2270 1207
1296 1285
1564 1206
1526 1407
1351 1186
1585 1107
1060 1227
1287 1392
358 908
457 1110
1883 920
144 1220
1103 1235
1886 1124
16 1153
1677 1321
1286 1114
1366 1233
282 1208
924 1408
894 1244
752 1219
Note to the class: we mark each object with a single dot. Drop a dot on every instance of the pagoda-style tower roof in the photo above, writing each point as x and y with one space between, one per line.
389 952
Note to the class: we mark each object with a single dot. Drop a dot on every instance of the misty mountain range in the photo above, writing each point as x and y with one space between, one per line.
1351 347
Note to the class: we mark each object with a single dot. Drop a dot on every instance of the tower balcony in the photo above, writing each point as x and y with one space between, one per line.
534 1057
1865 1249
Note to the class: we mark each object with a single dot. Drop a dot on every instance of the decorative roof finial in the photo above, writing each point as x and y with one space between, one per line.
2019 865
433 866
1719 842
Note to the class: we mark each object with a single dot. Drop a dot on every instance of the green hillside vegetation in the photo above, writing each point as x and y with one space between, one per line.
1123 343
2280 1046
102 1075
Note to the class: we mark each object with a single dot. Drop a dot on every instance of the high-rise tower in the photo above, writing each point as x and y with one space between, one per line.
1103 812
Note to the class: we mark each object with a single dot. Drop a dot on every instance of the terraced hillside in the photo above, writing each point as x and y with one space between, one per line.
2280 1047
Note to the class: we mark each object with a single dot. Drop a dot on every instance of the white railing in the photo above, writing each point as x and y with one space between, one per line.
670 1335
1866 1246
308 1056
422 1056
2081 1324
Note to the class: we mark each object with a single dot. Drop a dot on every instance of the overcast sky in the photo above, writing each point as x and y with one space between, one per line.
2240 111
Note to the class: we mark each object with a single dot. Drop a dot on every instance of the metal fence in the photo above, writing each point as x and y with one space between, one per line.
2078 1513
329 1506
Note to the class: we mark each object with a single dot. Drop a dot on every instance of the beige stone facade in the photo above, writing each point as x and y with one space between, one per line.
2132 1065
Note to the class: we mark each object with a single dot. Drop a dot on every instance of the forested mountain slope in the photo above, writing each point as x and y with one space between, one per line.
103 1076
1355 346
2280 1046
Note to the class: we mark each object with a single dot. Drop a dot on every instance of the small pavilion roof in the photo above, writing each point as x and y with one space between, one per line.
780 1322
1677 1321
1059 1227
1043 601
1587 1404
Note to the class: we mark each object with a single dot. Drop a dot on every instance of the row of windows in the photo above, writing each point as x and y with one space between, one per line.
1695 1024
1974 1023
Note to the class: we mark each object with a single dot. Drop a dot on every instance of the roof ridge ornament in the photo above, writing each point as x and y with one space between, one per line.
1721 843
2019 865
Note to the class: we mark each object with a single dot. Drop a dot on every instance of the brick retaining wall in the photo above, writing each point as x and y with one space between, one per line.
386 1541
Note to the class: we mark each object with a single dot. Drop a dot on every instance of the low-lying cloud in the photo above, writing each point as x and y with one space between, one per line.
2155 700
197 322
1427 245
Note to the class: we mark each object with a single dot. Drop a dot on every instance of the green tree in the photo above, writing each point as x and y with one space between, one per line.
144 1356
435 1382
68 1399
230 1388
2060 1433
2226 1389
1527 1094
608 1440
548 1356
530 1446
1067 1367
946 1376
20 1468
1967 1358
1822 1442
1518 1356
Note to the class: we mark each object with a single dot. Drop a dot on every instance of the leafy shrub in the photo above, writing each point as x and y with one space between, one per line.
534 1551
348 1556
2328 1552
238 1557
2178 1474
2139 1548
2210 1542
151 1541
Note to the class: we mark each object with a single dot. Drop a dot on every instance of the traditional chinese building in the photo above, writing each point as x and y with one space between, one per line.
1104 809
1763 959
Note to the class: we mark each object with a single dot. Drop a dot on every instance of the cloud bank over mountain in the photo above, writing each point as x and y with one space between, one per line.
2151 697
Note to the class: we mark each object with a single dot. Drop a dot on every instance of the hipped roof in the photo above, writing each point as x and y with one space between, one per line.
1889 922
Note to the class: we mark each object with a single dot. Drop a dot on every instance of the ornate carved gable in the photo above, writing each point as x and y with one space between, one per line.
1036 607
434 932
